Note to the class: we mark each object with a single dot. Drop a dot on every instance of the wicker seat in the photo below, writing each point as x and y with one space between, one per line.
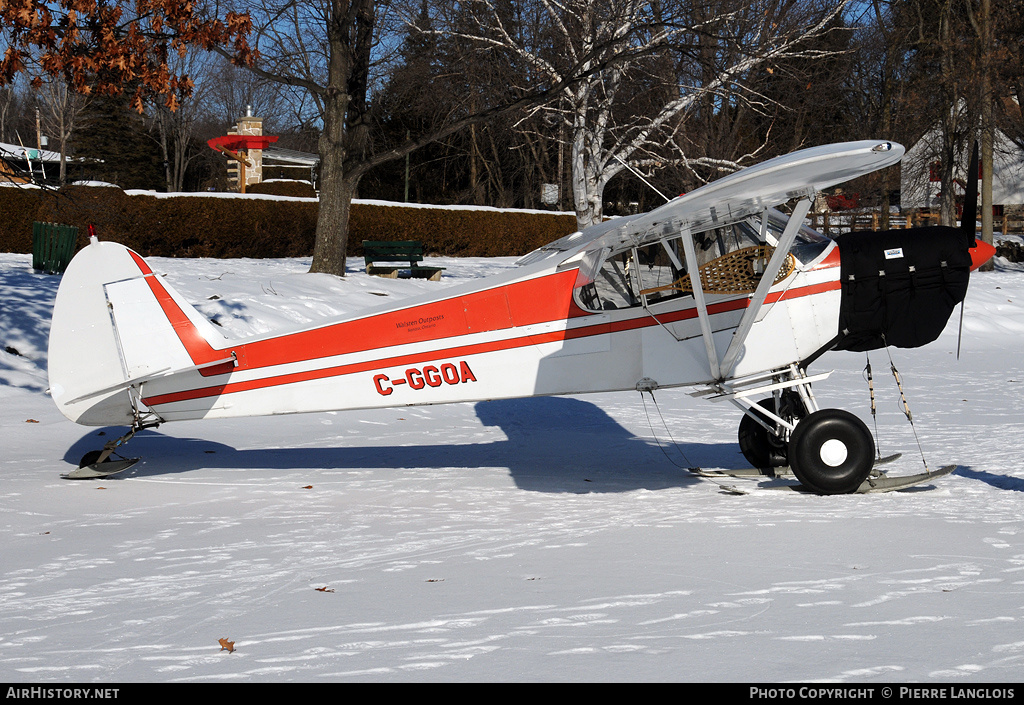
732 273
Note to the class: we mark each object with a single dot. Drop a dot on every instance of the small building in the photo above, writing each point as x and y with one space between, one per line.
21 164
290 164
920 185
262 161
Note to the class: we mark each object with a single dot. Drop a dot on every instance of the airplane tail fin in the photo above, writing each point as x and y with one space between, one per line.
115 326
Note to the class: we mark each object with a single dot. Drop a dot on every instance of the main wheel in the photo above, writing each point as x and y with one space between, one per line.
764 449
831 452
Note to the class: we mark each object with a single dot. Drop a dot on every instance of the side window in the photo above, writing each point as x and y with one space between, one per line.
662 271
608 283
730 258
612 282
809 243
713 244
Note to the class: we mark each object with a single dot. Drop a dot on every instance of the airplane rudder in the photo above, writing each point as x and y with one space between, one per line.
83 351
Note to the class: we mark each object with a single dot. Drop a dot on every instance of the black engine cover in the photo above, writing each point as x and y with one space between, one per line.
899 287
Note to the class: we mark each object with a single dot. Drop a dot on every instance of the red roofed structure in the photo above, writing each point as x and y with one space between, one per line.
245 147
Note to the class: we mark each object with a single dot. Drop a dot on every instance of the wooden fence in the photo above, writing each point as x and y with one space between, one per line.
834 223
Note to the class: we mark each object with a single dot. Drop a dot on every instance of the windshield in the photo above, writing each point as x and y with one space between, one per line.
809 242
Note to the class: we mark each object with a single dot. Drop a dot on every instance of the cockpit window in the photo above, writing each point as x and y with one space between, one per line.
777 223
730 258
662 267
661 270
612 287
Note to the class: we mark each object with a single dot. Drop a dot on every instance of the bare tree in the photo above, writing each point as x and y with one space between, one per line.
621 44
63 108
941 88
10 108
327 50
877 82
175 130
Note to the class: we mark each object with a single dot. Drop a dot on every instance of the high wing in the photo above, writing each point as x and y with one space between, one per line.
799 175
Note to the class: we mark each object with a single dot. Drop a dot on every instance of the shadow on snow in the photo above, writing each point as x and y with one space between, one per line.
554 444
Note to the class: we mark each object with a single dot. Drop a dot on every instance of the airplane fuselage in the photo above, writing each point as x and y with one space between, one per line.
527 332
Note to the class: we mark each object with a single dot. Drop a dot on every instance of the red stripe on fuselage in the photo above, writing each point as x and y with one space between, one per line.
541 300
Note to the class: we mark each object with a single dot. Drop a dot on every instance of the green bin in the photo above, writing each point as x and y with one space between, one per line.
53 246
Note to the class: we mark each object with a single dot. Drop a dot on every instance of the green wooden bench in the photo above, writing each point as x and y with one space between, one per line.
53 246
382 256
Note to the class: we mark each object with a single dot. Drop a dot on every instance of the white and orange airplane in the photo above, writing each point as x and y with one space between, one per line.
614 307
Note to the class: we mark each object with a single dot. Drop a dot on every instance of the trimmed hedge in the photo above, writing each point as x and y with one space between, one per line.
18 208
298 189
458 232
255 226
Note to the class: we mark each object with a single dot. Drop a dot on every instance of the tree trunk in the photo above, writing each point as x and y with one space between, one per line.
947 203
987 130
587 190
336 193
162 128
345 137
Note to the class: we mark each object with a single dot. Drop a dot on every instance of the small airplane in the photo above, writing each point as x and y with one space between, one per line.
618 306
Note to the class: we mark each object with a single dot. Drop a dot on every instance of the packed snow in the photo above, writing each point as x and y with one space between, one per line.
545 539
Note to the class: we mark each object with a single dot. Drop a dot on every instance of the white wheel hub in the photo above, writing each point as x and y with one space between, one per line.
833 452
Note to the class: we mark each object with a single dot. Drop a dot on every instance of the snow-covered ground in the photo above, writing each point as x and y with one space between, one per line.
549 539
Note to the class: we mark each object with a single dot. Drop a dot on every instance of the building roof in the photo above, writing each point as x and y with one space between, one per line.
289 156
918 190
17 152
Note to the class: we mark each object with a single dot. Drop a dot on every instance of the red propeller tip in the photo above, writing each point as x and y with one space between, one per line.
981 253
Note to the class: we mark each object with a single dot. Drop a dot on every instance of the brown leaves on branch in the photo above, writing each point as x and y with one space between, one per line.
113 46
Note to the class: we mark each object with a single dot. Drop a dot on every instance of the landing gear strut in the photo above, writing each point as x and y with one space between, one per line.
830 451
764 448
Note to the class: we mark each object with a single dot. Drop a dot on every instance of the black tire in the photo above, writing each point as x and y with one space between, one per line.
761 448
831 452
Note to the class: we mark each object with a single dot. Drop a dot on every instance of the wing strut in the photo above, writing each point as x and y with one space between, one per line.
702 307
757 299
720 369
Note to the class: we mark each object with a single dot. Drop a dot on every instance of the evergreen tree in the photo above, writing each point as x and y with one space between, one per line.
113 145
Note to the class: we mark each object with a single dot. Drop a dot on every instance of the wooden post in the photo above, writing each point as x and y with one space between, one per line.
243 161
